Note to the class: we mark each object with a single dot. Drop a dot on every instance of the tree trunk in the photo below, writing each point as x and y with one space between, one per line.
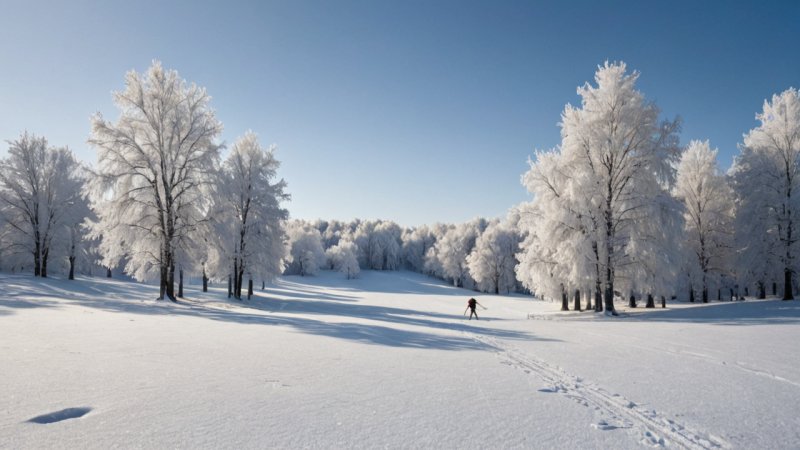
249 288
171 282
719 295
205 280
598 300
180 283
762 290
588 299
237 292
632 301
787 285
564 300
108 272
691 294
37 262
746 291
577 306
162 283
263 284
240 282
71 267
663 301
44 262
650 302
230 287
774 288
609 301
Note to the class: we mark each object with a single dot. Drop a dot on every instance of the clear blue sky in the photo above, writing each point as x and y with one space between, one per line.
415 111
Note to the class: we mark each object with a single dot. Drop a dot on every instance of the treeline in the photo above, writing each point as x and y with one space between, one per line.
478 254
159 202
620 209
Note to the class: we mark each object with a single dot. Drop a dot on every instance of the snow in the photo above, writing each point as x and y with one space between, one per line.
386 360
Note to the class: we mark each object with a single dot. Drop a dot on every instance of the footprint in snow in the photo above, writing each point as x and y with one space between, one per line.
605 426
58 416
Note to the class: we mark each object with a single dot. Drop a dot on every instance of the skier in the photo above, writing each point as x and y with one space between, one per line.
471 304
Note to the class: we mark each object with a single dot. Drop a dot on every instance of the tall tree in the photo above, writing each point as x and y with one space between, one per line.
306 255
247 214
41 197
454 247
767 175
491 263
708 213
155 168
612 171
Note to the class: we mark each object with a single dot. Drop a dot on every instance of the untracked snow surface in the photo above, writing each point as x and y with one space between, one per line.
387 360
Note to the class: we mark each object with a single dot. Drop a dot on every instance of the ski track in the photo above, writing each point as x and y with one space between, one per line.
653 429
692 353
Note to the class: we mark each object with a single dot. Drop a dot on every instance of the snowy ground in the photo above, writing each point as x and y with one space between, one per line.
387 360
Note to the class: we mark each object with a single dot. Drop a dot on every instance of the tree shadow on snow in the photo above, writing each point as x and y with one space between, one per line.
117 297
751 312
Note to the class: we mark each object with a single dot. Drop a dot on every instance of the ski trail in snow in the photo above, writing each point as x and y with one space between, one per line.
693 353
654 428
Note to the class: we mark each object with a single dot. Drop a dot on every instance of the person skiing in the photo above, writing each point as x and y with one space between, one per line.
471 304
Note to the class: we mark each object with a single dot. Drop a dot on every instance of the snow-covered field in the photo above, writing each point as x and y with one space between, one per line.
386 360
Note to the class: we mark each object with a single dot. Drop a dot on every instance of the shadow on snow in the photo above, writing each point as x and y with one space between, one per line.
108 295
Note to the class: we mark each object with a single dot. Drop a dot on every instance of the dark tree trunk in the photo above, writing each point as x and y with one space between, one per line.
787 285
180 283
746 291
564 300
774 288
249 288
609 302
577 306
171 282
263 284
731 293
762 290
598 300
588 300
237 291
632 301
663 301
230 287
240 282
705 295
44 263
162 283
650 302
691 294
205 281
37 263
71 267
108 272
719 295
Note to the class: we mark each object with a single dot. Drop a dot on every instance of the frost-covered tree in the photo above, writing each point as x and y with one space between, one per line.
379 244
247 214
450 252
41 196
306 253
154 172
493 260
598 191
416 243
708 214
342 257
767 177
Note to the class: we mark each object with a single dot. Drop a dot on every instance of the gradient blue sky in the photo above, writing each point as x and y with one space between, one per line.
415 111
